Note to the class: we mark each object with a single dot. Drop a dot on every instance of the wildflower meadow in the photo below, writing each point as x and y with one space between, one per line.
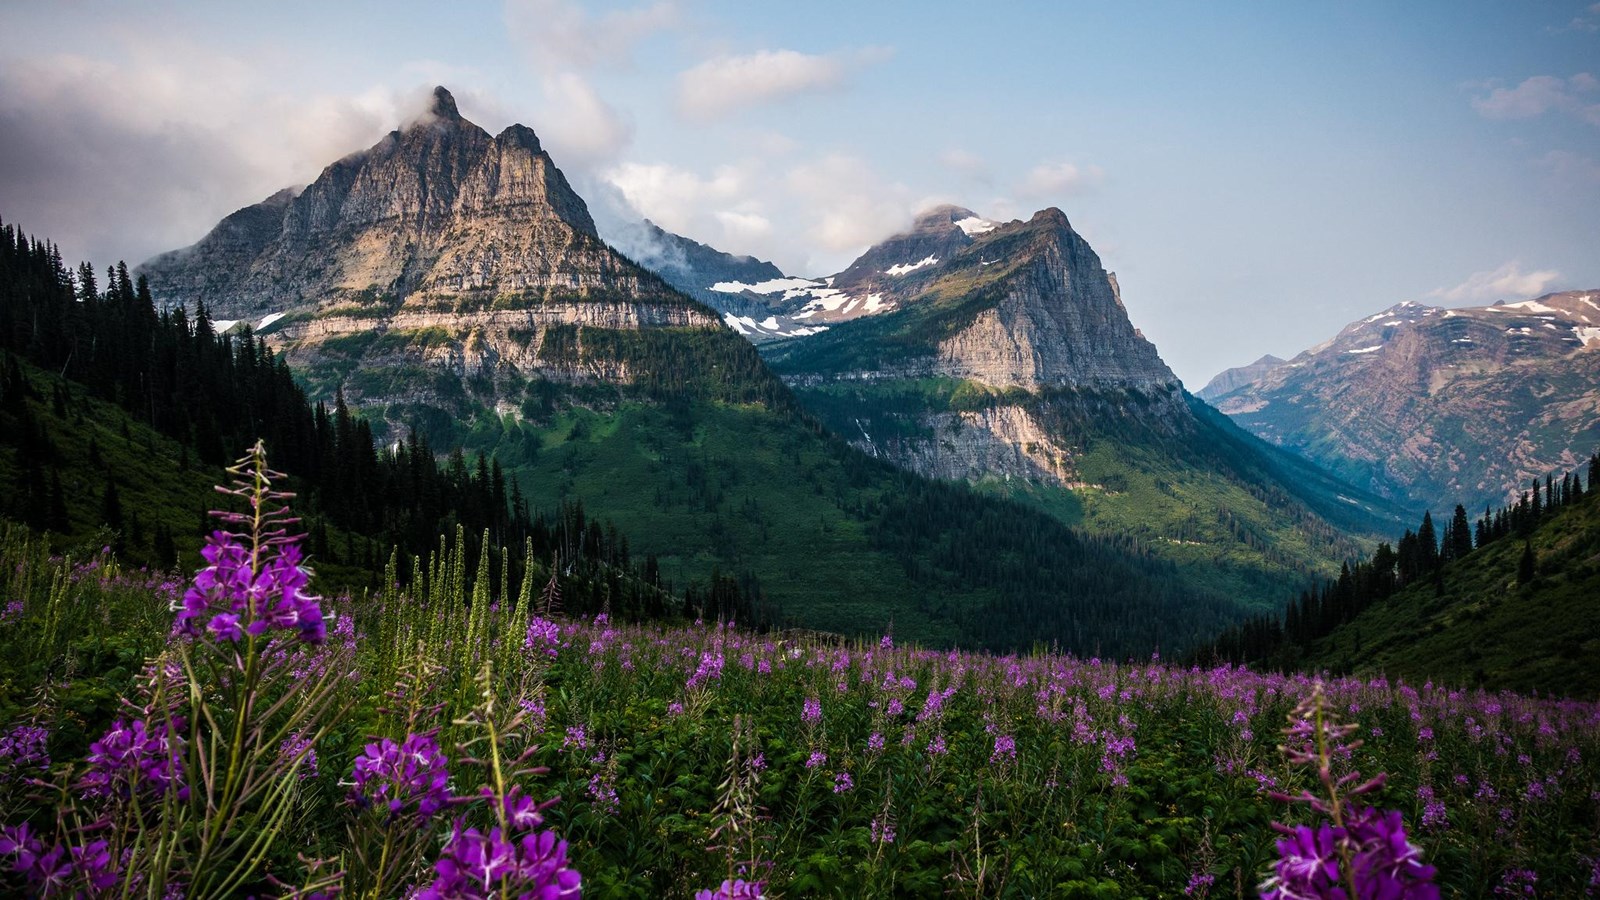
232 733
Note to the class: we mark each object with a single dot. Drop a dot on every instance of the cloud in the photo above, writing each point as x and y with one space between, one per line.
1570 168
1540 94
1589 20
725 84
559 36
1506 282
965 163
127 154
811 216
1060 178
578 127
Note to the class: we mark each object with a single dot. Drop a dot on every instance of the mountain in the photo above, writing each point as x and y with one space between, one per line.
693 267
767 305
451 283
1009 361
1435 406
1230 380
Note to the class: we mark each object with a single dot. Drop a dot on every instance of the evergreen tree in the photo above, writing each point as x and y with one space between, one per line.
1460 534
1525 564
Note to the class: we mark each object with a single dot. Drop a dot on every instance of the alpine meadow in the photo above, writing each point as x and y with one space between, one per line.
730 451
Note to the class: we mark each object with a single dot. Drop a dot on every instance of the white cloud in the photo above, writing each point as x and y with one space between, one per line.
577 127
1061 178
722 85
559 36
811 216
1540 94
1508 282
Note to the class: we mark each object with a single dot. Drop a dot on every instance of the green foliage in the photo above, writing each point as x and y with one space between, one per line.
652 736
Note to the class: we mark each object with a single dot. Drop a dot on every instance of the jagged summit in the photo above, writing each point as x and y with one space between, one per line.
444 104
438 208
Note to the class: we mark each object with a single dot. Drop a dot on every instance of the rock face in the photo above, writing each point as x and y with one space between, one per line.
438 208
1017 307
1440 406
437 256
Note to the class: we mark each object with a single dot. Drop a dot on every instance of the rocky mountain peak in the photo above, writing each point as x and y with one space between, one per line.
439 207
443 105
941 217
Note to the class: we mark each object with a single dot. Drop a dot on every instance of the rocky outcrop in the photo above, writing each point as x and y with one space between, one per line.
1440 405
1002 442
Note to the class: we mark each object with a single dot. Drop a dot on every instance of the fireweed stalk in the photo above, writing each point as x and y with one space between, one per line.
1359 852
251 597
190 791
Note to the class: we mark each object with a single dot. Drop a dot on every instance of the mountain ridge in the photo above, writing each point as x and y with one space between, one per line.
1434 406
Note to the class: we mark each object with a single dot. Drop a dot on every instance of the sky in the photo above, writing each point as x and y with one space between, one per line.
1257 175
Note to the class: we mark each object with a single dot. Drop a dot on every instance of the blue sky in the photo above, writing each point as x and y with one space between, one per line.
1258 175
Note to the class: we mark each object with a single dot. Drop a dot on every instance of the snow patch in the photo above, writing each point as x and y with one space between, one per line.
268 320
904 268
1529 305
974 225
1463 341
221 325
765 287
1366 349
1586 333
875 303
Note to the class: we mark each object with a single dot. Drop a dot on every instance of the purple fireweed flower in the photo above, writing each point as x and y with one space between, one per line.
817 758
576 738
1199 884
811 715
298 748
228 600
476 866
409 777
843 783
1005 749
11 613
883 830
24 747
875 742
1517 883
92 862
134 758
543 637
733 889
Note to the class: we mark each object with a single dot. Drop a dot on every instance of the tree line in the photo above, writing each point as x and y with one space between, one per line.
216 393
1420 557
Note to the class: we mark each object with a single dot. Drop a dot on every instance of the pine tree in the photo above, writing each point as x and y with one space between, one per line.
1525 564
1460 534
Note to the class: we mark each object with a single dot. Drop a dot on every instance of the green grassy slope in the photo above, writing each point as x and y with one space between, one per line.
1232 514
1485 629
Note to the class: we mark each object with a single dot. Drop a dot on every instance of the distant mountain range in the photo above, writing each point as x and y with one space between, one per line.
1434 406
452 282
